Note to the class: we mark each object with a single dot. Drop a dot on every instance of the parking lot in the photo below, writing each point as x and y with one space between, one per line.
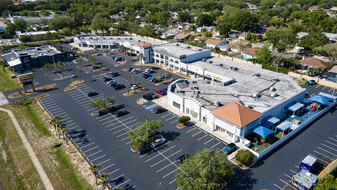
103 140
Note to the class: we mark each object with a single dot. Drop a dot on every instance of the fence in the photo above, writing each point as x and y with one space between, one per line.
291 134
319 81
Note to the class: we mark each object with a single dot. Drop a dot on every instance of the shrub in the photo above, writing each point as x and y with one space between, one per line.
245 157
184 119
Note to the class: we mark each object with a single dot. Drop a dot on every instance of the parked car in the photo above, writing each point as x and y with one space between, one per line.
144 150
159 142
150 96
115 74
229 148
148 76
149 71
145 75
160 92
135 71
153 78
164 90
162 76
100 113
118 58
130 69
113 84
95 67
312 82
115 108
183 157
106 79
90 94
159 110
121 113
109 82
119 86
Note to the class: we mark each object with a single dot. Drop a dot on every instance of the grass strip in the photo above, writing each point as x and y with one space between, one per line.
38 123
6 82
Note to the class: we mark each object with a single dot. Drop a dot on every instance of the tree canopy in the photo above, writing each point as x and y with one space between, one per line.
207 169
313 39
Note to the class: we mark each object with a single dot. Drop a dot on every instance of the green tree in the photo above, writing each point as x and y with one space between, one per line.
223 27
264 55
104 178
92 59
25 39
276 22
56 122
44 13
95 170
47 66
61 128
184 17
242 20
328 50
207 169
79 71
140 135
60 67
204 20
66 32
65 134
245 157
313 39
329 182
184 119
208 34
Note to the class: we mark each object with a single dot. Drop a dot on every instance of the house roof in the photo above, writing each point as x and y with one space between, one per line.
182 35
213 41
252 51
145 44
244 34
236 46
200 38
237 114
333 69
315 62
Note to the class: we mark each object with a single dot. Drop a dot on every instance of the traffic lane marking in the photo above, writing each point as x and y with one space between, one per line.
170 173
159 154
161 169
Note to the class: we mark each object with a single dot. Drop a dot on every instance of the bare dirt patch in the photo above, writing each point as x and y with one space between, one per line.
132 92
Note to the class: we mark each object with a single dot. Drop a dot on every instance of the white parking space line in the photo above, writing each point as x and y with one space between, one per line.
90 149
196 133
159 154
56 109
324 88
215 145
209 140
94 153
126 119
50 104
288 176
293 171
328 147
330 143
319 159
124 138
122 134
117 177
164 167
332 139
287 184
317 86
120 131
113 171
88 145
171 118
174 121
104 162
69 121
79 143
116 128
172 181
277 186
327 151
130 121
98 158
191 129
330 89
170 173
103 118
70 128
63 114
322 154
122 183
166 115
138 123
202 137
106 167
60 111
165 159
52 107
104 123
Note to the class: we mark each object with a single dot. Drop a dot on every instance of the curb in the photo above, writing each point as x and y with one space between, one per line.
326 168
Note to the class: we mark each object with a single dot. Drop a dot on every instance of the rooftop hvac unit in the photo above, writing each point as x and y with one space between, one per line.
235 68
271 89
204 60
220 65
256 95
138 40
188 47
235 94
276 79
199 49
210 62
217 103
273 94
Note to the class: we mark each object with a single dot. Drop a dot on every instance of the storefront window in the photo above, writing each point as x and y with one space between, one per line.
175 104
187 111
194 114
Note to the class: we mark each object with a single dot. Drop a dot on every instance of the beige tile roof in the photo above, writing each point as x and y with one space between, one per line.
237 114
213 41
316 62
182 35
236 46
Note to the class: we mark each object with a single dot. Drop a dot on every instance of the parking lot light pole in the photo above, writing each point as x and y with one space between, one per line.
103 94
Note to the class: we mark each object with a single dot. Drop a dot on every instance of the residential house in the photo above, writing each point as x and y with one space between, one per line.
332 37
242 36
212 43
182 25
301 35
181 37
236 47
234 34
333 69
169 34
205 28
200 38
250 53
313 62
313 8
286 55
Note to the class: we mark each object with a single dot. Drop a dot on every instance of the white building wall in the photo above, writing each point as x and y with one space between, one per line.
197 56
171 97
192 106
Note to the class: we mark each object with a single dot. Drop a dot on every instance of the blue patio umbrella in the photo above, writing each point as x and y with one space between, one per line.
263 131
320 99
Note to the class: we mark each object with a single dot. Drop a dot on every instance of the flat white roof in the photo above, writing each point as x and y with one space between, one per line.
176 50
14 62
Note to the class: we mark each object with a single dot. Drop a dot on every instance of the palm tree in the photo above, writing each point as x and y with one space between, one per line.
56 121
65 134
62 127
97 104
104 179
47 66
92 59
94 169
79 60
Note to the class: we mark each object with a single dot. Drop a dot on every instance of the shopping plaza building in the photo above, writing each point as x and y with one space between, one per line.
229 97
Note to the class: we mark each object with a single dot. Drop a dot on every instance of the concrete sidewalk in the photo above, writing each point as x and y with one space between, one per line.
44 178
3 99
163 102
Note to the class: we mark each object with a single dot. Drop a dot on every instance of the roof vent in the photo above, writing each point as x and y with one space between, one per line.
139 41
276 79
188 47
256 95
203 60
273 94
199 49
271 89
177 44
217 103
235 94
220 65
210 62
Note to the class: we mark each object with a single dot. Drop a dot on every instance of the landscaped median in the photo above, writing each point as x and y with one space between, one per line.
30 91
132 92
72 86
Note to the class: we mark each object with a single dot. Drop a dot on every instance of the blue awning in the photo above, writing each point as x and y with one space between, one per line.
284 126
263 131
296 107
320 99
270 121
333 97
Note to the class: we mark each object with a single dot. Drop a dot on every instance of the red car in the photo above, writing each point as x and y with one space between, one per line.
160 92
